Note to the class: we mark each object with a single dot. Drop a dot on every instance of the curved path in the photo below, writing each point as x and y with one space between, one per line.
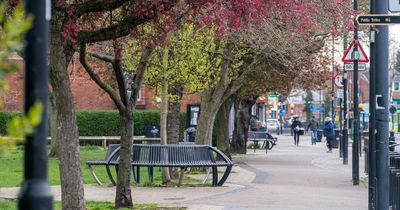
290 177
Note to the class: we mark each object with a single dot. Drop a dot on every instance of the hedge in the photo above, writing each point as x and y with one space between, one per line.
4 118
105 122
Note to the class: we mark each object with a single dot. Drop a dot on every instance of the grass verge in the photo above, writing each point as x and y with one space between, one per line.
11 204
11 172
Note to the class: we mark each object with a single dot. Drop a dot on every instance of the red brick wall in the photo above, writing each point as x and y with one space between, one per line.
12 98
87 95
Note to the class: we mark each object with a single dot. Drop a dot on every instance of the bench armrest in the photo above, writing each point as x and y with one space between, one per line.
114 153
226 158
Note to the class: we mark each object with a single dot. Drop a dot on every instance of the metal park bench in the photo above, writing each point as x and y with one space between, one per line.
172 155
182 156
112 155
268 140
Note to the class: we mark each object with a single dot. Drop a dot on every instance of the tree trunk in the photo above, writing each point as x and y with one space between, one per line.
241 126
223 127
163 117
208 110
173 118
174 122
53 126
123 196
72 194
211 101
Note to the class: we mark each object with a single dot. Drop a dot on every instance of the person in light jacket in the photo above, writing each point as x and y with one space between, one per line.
329 133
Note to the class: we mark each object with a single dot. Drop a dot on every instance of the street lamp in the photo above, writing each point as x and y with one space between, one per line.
35 192
360 107
362 112
291 106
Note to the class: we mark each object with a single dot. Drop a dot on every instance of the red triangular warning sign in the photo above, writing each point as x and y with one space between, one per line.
348 55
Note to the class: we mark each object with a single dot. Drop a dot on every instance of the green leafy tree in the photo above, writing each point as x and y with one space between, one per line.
13 25
307 107
180 64
397 62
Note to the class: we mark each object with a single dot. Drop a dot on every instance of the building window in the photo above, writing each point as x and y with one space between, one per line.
396 86
139 95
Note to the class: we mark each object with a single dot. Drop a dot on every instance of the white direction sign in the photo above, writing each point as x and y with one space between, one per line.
339 93
338 80
350 67
394 5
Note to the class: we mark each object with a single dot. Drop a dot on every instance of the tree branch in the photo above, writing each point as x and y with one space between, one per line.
138 79
92 6
109 90
105 58
119 74
123 28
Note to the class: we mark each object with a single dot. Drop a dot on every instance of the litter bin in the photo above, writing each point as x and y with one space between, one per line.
392 141
336 141
319 136
152 131
190 134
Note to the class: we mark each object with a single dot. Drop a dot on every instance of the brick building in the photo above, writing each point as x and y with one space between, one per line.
87 95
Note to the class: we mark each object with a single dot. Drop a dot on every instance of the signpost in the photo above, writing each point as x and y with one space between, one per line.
394 5
339 80
378 19
381 101
350 67
351 55
340 93
273 95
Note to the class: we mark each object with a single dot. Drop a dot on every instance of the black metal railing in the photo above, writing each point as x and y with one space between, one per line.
394 180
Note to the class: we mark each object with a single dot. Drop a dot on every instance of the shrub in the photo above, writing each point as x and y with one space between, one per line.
4 118
104 122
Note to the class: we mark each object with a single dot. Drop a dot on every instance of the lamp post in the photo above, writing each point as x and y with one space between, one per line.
291 106
356 139
362 113
280 112
35 190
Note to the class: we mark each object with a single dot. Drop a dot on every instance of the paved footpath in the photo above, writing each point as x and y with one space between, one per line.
287 178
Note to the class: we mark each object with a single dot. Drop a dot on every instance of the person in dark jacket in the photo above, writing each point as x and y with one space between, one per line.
296 126
314 126
329 133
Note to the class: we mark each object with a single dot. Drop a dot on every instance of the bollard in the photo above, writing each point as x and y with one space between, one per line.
392 141
397 193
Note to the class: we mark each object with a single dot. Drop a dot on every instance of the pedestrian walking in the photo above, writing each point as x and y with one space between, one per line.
329 133
313 126
297 129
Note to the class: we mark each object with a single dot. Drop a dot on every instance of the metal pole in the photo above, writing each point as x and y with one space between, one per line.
356 124
35 191
371 131
345 109
381 111
341 128
333 80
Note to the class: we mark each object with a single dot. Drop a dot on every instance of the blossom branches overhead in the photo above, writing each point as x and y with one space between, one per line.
227 16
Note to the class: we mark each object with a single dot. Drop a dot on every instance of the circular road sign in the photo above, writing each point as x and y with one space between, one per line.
338 80
392 109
